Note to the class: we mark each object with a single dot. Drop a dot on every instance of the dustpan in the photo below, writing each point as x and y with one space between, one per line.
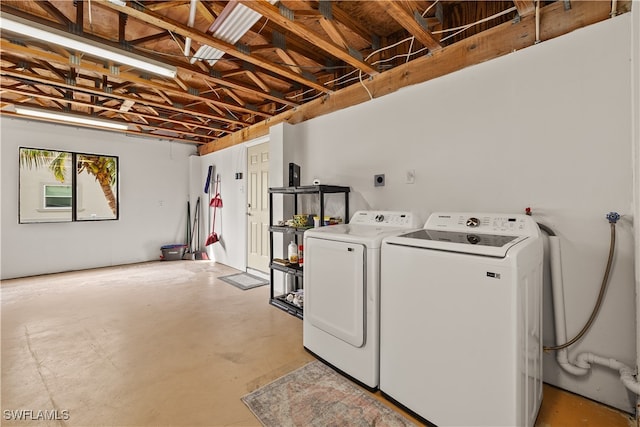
216 201
213 238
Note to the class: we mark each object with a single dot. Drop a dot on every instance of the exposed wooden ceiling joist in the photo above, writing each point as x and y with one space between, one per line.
178 28
409 17
301 58
490 44
272 13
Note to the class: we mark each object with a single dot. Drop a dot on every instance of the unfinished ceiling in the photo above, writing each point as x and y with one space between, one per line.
298 60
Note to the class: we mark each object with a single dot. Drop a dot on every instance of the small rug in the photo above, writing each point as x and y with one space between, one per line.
316 395
244 281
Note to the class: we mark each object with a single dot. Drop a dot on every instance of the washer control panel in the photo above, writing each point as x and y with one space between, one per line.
513 225
385 219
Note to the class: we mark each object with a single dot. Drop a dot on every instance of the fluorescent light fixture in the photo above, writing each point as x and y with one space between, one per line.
233 22
33 112
70 41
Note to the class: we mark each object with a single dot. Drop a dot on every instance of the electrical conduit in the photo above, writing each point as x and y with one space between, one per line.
192 20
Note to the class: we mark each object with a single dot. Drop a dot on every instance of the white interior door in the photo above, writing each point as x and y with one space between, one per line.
258 207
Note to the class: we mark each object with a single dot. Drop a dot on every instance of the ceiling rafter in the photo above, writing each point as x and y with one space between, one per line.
329 26
151 38
234 97
409 19
494 42
203 38
181 65
298 63
162 95
284 55
342 17
88 90
166 5
271 12
130 77
104 107
53 11
524 7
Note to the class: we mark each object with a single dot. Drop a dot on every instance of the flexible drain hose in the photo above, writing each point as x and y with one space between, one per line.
603 288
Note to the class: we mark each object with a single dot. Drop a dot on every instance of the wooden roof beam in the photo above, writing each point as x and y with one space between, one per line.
131 77
271 12
288 59
410 22
53 11
166 4
524 7
490 44
329 26
115 109
89 90
198 36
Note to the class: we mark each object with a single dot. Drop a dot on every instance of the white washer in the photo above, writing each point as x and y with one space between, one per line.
341 291
461 320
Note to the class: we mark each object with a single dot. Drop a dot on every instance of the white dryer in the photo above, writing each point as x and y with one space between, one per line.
461 320
342 288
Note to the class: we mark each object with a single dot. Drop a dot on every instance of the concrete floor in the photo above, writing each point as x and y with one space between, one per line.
164 344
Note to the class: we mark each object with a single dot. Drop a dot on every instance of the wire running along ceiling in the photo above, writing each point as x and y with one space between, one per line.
281 55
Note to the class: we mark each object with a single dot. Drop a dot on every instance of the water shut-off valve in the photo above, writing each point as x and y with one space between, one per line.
613 217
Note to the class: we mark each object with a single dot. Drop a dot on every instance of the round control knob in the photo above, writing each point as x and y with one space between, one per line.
473 222
379 218
473 239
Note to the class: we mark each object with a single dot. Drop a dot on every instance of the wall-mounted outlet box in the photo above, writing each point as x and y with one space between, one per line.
410 177
378 180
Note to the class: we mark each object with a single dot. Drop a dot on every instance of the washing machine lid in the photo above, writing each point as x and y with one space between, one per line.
367 228
474 233
367 235
493 245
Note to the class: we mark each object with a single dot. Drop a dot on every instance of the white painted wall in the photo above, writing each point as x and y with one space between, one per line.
154 187
635 114
231 219
547 127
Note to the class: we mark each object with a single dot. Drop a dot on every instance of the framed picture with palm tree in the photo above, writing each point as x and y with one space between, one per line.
63 186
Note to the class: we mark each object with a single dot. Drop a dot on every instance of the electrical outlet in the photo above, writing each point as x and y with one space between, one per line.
410 176
378 180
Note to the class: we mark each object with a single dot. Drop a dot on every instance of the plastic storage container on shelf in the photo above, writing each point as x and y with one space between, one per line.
173 252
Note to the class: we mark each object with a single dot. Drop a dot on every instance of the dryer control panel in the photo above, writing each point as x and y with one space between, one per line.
385 218
506 224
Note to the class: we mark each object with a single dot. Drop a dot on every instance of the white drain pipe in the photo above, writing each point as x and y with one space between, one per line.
560 321
626 373
584 360
192 20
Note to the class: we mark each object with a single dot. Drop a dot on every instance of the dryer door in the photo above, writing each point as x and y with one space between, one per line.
334 288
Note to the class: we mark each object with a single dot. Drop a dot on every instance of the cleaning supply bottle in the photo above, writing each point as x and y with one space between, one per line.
300 255
293 253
